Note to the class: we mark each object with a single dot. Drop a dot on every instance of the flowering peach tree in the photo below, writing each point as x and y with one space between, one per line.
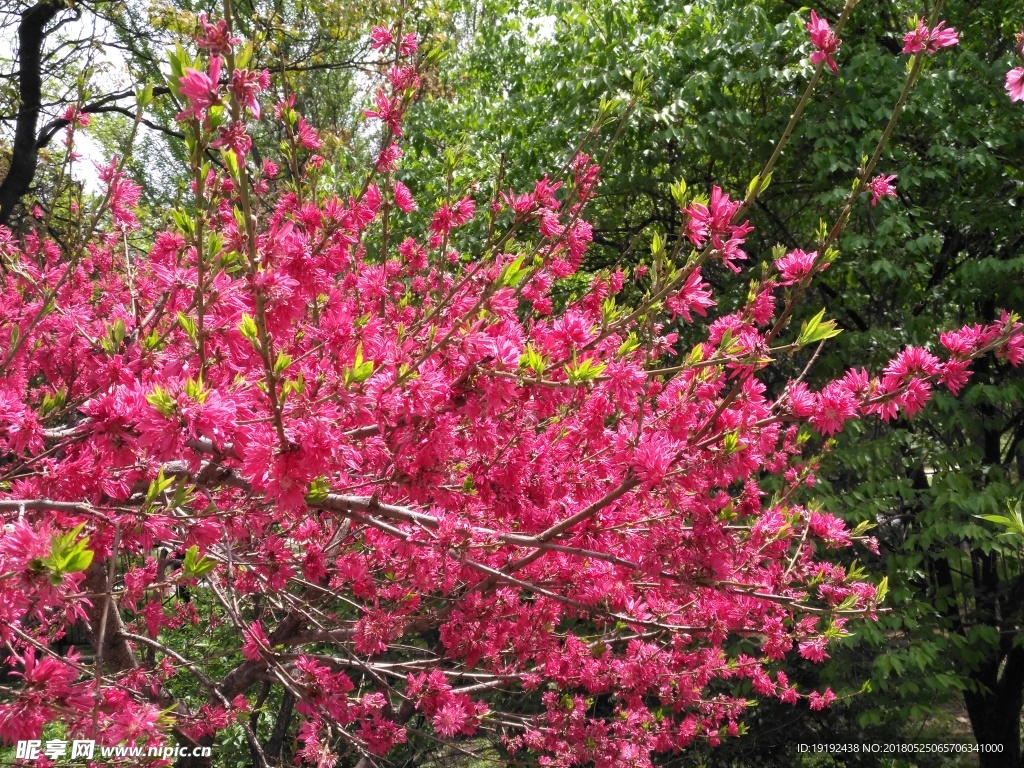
405 475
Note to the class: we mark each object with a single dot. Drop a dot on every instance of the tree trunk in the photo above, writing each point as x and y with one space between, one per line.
995 719
31 34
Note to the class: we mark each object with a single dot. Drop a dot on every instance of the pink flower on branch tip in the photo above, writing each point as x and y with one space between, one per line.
256 641
306 136
1013 348
825 40
381 38
215 38
75 116
200 89
930 40
834 406
233 137
408 45
246 85
814 650
795 265
819 701
1015 84
882 186
713 222
403 197
388 111
402 78
695 295
388 159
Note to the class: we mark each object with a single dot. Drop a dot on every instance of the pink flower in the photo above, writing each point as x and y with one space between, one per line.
21 544
912 361
215 37
814 650
381 38
306 136
829 529
449 216
653 457
1013 351
233 137
134 723
246 85
75 116
695 295
882 186
449 719
388 111
962 342
408 45
835 406
256 642
1015 84
520 204
940 38
124 196
918 393
825 40
795 265
388 159
929 40
714 221
403 197
801 400
201 90
821 701
402 78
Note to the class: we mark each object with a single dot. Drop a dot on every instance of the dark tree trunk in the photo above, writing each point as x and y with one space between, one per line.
31 34
995 707
995 719
277 748
107 639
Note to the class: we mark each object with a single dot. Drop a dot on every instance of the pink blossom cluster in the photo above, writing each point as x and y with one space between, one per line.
921 38
712 222
825 41
432 474
1015 77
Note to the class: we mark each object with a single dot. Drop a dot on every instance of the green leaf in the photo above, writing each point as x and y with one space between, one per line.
817 329
247 327
195 390
194 566
631 344
188 325
319 489
361 370
145 96
512 274
282 362
882 590
157 486
68 554
588 370
161 399
533 360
